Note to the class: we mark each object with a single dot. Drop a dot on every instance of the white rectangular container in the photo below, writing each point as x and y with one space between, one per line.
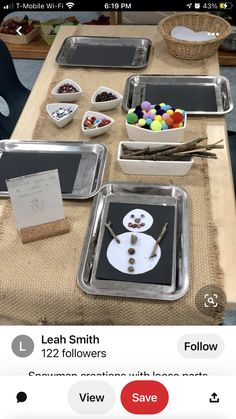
148 167
175 135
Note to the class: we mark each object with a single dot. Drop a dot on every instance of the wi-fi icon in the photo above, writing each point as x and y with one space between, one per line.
70 5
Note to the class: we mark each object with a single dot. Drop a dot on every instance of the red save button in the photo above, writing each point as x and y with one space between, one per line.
144 397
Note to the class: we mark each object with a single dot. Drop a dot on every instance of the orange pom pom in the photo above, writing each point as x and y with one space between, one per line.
170 122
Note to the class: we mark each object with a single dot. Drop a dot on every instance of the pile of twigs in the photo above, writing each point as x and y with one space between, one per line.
183 152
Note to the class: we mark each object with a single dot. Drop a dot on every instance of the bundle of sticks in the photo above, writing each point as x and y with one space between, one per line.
182 152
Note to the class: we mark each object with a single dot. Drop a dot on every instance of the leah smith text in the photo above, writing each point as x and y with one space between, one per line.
72 339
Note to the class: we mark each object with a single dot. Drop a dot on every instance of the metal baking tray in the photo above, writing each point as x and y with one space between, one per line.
198 95
138 194
91 165
110 52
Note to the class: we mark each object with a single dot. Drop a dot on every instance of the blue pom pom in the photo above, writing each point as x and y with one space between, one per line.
164 126
165 107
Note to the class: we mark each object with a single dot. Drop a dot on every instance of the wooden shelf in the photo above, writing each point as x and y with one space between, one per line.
36 49
227 58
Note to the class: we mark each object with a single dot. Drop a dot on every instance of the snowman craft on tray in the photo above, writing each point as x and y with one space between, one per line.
135 252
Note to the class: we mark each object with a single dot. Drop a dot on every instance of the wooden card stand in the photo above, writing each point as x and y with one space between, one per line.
44 231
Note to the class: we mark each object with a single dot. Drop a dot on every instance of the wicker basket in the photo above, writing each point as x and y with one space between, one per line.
190 50
20 39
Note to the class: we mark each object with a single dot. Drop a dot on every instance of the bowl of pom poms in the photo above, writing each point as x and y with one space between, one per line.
160 122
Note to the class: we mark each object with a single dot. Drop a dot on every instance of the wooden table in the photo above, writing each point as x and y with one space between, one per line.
221 183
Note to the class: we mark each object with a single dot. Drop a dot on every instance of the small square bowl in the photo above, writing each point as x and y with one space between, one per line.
148 167
52 107
106 105
175 135
96 131
66 97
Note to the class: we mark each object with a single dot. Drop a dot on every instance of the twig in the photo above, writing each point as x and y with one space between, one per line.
183 147
163 231
108 226
205 154
180 154
164 150
215 145
196 153
156 157
147 150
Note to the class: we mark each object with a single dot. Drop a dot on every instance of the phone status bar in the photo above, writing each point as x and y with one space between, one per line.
101 5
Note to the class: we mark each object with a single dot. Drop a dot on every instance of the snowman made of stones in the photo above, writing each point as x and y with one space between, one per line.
132 254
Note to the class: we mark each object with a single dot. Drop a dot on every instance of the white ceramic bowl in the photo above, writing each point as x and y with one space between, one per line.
52 107
175 135
66 97
148 167
96 131
106 105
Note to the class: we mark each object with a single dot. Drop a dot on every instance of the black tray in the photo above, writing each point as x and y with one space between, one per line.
164 203
198 95
92 51
80 165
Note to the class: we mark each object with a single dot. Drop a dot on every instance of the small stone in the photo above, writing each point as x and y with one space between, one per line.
131 261
61 113
105 97
130 268
67 88
93 122
131 251
133 239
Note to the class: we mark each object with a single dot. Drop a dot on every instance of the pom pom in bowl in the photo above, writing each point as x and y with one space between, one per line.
96 123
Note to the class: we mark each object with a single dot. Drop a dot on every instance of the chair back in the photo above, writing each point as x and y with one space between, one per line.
13 92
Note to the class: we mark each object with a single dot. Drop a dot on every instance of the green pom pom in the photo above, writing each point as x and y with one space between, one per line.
141 122
132 118
156 126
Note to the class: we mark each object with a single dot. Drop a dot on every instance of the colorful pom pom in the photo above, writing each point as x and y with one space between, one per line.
177 117
132 118
146 105
156 126
148 121
141 122
165 116
164 126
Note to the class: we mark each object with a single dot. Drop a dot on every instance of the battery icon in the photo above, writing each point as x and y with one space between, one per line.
227 5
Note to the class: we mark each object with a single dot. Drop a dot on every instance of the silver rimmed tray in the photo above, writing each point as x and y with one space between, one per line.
110 52
136 195
88 159
198 95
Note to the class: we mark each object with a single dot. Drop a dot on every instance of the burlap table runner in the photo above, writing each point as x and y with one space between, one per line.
38 280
